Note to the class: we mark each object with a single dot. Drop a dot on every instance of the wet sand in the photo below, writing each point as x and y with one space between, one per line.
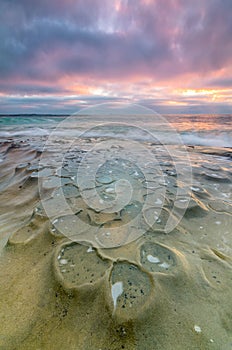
61 288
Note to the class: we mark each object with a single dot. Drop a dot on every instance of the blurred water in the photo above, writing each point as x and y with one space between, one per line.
202 130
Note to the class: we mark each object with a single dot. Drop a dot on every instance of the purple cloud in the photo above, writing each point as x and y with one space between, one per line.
41 43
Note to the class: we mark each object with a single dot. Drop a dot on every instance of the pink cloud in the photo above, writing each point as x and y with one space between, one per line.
64 47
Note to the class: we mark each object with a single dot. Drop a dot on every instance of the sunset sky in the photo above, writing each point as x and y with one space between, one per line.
57 56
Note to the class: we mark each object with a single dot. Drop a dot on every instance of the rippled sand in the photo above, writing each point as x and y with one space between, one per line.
60 288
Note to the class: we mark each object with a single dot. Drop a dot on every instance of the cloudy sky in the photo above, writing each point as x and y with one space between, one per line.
57 56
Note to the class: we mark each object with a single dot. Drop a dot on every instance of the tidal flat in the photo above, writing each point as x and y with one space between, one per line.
151 271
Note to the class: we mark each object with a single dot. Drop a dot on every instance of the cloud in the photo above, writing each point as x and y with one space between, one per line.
220 82
46 47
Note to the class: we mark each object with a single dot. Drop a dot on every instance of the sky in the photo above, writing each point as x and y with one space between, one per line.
57 56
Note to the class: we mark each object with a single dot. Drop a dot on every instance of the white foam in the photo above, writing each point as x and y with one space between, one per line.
183 200
109 190
25 132
196 189
207 139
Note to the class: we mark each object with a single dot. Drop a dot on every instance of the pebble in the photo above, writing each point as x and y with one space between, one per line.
63 261
197 329
153 259
90 250
116 291
164 265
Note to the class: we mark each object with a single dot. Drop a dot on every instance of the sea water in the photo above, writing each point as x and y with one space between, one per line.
203 129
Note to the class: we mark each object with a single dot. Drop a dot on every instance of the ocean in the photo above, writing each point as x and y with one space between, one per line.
202 130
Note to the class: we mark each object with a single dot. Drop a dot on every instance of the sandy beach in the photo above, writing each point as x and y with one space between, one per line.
61 286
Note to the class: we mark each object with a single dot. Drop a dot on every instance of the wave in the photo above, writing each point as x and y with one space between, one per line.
208 139
25 132
170 135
